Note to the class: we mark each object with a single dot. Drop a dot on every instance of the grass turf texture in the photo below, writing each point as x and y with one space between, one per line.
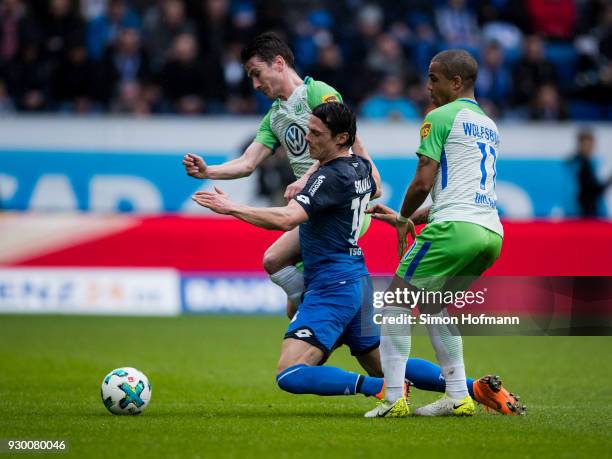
214 394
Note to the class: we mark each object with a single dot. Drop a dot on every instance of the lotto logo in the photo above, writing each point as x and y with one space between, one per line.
304 199
304 333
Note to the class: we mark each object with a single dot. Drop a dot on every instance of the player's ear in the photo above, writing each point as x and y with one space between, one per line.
457 82
342 138
278 62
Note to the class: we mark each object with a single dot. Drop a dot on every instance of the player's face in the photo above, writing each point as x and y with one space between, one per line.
265 77
320 141
440 88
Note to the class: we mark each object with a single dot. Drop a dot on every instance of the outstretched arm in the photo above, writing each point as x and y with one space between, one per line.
278 218
389 216
243 166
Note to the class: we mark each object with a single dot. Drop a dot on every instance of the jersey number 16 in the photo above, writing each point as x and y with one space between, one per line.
358 206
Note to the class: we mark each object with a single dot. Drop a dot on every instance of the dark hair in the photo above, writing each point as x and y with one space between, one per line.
458 62
338 118
267 46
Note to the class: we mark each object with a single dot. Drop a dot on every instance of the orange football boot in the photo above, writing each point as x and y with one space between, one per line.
490 392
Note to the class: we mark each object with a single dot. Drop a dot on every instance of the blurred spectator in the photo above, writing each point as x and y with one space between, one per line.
498 28
215 31
369 25
552 18
102 31
91 9
548 105
604 33
422 43
330 68
72 86
312 34
62 28
239 96
457 24
29 79
124 63
590 188
183 78
494 80
162 24
214 26
270 15
532 70
243 22
594 77
131 99
6 104
389 102
387 57
12 30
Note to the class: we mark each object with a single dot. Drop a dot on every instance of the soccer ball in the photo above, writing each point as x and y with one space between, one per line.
126 391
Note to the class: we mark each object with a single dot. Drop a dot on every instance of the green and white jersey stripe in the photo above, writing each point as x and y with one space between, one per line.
286 122
465 142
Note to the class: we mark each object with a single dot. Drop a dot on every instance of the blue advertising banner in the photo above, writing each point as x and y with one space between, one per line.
156 182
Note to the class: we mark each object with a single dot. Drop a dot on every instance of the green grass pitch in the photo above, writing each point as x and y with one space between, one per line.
214 394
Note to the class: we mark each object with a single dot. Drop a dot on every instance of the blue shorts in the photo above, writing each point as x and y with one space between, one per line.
331 316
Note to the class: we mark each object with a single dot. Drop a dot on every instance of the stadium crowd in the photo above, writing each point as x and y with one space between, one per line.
539 59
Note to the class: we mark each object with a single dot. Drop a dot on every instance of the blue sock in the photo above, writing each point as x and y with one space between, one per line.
426 375
324 380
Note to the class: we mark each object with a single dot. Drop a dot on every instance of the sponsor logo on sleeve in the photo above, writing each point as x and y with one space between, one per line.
425 130
315 186
329 98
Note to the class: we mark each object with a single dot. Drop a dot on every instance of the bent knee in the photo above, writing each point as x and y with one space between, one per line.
289 380
272 261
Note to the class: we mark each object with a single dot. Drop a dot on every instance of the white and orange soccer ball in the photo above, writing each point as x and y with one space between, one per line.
126 391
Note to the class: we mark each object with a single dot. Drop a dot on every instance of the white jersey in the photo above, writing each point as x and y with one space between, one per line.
465 142
286 123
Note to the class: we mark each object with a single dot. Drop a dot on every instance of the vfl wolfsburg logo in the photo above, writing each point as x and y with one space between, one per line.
295 139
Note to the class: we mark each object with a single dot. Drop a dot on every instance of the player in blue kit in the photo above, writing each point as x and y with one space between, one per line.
329 211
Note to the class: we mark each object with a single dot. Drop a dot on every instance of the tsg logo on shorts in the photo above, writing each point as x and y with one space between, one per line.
295 139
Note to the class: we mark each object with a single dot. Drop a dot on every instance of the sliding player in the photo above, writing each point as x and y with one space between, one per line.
329 211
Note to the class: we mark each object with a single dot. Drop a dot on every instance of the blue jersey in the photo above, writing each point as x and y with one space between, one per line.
335 199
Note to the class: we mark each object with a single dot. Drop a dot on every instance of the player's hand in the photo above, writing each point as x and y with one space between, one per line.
403 228
295 187
195 166
383 213
218 201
